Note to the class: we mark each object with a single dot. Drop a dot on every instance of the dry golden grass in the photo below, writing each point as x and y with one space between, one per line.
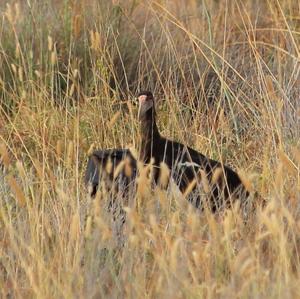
226 77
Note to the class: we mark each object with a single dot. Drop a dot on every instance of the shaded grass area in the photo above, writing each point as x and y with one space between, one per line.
226 79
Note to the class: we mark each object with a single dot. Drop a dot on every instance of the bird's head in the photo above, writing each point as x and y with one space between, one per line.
146 104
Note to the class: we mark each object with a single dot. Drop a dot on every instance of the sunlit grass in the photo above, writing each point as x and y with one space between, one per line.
69 73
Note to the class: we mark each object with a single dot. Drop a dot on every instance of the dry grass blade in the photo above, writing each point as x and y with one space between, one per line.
287 163
226 78
114 119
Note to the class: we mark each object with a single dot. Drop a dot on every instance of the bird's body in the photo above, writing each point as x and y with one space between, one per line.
184 162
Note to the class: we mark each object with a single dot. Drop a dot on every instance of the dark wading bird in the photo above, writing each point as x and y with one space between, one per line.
189 169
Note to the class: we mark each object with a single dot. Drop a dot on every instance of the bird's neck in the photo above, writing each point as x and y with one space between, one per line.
149 134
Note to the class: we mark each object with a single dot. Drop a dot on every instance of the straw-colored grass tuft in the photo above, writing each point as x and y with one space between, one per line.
225 75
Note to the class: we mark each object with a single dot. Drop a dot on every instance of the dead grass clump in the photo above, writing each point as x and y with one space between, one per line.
227 78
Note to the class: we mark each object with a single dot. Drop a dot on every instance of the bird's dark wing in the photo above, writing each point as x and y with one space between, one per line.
92 174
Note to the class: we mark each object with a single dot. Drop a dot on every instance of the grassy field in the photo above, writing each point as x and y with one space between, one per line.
226 76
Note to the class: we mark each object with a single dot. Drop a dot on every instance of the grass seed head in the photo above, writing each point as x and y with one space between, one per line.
50 43
204 181
53 58
17 190
20 73
119 169
59 149
70 154
77 25
217 174
128 168
4 155
164 175
21 169
109 166
190 188
75 227
14 68
88 227
143 180
10 15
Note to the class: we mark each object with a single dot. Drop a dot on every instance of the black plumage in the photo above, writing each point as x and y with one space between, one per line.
185 164
102 166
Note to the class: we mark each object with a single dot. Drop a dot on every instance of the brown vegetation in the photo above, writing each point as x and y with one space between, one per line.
226 74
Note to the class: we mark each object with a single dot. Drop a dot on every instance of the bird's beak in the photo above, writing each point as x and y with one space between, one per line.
144 105
142 99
